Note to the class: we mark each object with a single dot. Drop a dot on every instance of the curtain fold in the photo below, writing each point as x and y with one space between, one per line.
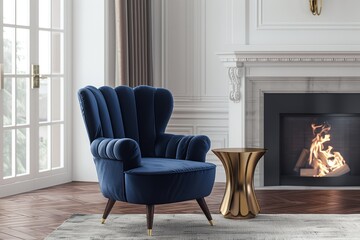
133 42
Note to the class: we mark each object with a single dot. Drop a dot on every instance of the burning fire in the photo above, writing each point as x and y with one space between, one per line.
324 161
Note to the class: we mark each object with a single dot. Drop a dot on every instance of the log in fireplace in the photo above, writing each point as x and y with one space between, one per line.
313 139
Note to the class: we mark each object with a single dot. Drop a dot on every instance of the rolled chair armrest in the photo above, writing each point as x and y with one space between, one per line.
183 147
125 149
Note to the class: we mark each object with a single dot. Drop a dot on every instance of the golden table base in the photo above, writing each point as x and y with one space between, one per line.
239 200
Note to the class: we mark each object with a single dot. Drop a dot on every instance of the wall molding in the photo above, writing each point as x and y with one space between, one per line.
237 22
273 55
200 99
216 132
185 129
314 25
202 108
295 59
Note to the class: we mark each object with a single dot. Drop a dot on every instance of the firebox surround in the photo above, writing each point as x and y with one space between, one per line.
287 125
273 69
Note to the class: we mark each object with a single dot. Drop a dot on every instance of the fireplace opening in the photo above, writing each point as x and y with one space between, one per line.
319 145
313 140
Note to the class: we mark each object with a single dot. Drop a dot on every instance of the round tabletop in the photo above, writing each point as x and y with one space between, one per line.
239 150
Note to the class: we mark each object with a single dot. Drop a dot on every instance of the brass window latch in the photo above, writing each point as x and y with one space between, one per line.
35 76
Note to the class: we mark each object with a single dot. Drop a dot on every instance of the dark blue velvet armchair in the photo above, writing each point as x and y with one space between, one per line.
135 160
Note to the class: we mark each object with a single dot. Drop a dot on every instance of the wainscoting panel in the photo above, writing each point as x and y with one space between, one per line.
207 117
217 133
291 22
219 139
336 14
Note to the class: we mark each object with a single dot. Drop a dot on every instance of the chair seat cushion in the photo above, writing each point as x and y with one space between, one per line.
164 180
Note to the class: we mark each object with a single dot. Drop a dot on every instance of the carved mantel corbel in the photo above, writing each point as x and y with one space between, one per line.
235 74
236 77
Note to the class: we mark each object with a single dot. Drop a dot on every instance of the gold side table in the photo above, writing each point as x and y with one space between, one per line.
239 200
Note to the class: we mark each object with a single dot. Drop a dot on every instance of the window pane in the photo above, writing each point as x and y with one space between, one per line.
57 146
57 14
22 51
7 153
44 100
22 12
8 91
44 52
57 52
45 13
22 149
9 50
57 99
9 11
44 148
22 100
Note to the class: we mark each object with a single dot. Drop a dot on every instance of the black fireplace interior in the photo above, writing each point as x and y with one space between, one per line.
297 126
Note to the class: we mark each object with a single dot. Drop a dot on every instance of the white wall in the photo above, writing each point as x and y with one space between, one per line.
185 63
338 23
188 34
88 69
191 33
251 23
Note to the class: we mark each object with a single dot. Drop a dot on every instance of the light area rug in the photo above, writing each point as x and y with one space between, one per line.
195 226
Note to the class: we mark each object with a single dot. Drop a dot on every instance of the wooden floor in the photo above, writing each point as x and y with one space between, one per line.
35 214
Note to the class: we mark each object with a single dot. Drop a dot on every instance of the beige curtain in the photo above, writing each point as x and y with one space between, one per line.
133 42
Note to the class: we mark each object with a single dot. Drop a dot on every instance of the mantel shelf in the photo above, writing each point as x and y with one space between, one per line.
282 56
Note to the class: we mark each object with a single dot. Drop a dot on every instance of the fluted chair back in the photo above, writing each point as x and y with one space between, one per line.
141 114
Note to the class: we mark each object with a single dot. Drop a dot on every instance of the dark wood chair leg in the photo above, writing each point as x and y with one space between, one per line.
108 208
205 209
150 218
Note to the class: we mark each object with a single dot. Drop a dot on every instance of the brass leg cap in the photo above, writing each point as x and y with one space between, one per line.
211 222
149 232
103 220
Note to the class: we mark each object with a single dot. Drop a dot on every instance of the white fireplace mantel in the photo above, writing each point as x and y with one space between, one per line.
281 62
252 72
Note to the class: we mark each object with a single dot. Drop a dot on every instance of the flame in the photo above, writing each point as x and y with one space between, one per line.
323 159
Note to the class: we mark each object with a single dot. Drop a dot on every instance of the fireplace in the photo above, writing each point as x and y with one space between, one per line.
254 72
313 139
